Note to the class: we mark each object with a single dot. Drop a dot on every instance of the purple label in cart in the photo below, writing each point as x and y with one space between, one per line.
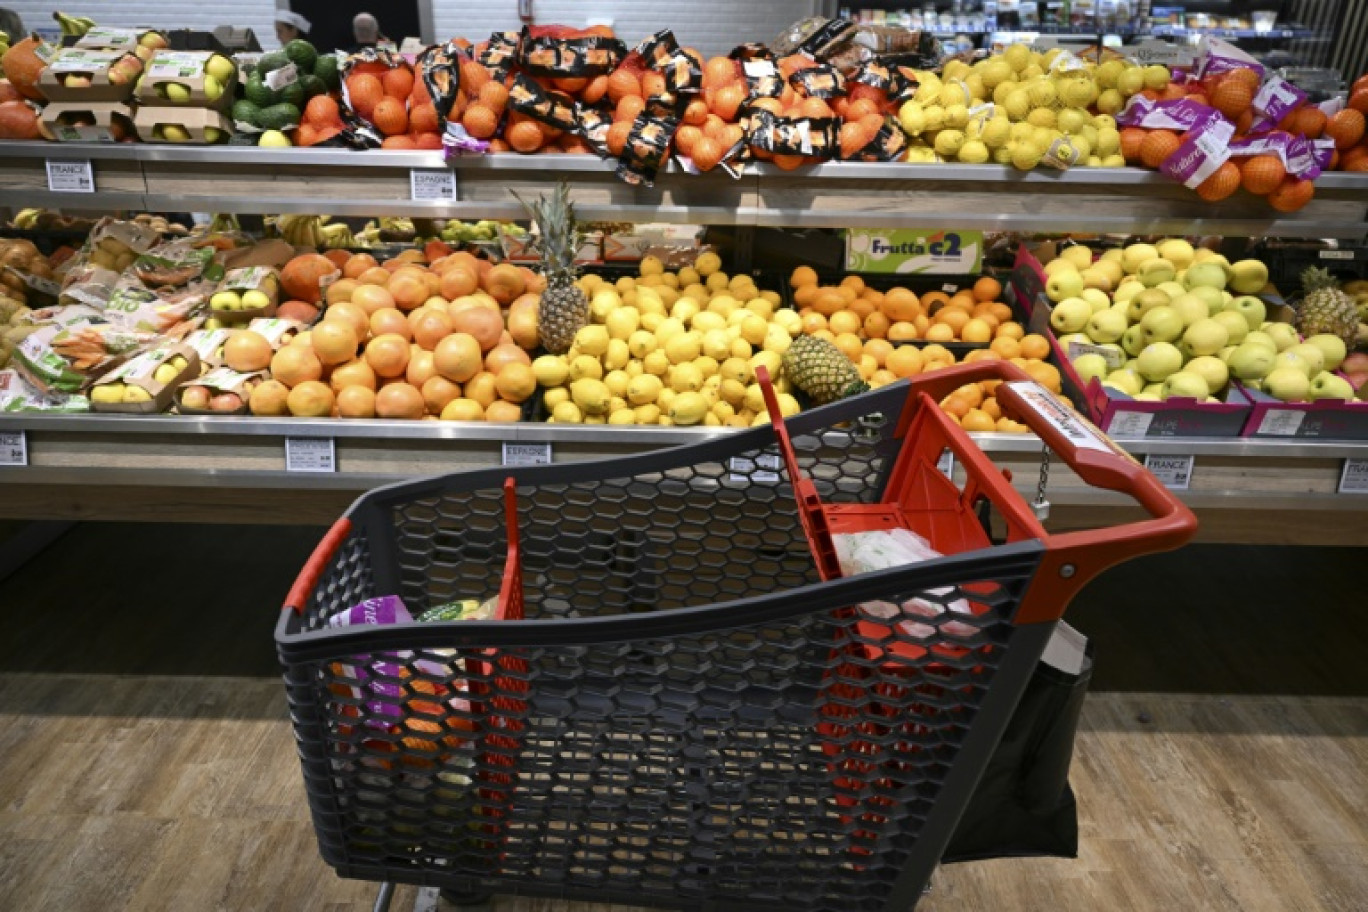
381 679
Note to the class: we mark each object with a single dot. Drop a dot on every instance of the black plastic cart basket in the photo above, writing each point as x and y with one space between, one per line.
680 702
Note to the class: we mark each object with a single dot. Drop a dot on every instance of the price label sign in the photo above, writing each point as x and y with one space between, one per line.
310 454
13 448
432 184
1131 424
1173 472
70 176
526 454
1353 480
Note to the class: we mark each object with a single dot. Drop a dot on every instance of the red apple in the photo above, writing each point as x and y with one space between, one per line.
195 397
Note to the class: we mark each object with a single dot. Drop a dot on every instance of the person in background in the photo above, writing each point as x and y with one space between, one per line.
366 31
290 26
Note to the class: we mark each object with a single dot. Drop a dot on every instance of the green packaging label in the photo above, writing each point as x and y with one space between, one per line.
908 251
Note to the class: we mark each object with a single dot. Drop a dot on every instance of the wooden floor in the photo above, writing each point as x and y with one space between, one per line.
146 764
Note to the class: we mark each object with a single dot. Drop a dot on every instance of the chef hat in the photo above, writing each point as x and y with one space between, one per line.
294 19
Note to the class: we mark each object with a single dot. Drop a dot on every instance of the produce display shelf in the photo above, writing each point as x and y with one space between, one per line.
234 470
836 194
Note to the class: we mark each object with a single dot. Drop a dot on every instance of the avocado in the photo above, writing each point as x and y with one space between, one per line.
313 86
246 112
293 94
278 117
258 92
302 55
326 70
269 63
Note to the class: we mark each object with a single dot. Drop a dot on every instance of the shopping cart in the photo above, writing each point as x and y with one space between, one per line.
681 702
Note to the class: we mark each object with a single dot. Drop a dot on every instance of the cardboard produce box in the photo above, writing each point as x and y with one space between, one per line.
221 391
86 75
124 40
187 126
1324 419
246 293
519 248
181 79
97 121
145 372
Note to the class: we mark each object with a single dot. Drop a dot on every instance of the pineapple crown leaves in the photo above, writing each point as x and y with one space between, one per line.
1314 278
558 230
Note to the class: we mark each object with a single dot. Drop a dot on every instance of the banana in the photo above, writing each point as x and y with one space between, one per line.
27 218
73 26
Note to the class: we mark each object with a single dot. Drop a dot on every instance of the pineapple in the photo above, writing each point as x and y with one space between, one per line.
1326 309
821 370
564 309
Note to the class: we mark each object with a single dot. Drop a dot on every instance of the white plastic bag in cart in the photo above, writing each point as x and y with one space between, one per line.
865 552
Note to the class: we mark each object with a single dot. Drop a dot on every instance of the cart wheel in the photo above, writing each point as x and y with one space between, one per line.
457 898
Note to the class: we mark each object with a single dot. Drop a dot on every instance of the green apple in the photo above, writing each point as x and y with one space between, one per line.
1065 283
1284 335
1251 308
174 133
1089 366
1153 389
1289 384
1248 276
1332 347
1296 361
1212 297
1162 324
1078 254
1259 337
1191 308
273 139
1210 274
1155 271
1185 384
1097 298
1069 338
1202 254
1313 355
1225 353
1144 302
165 373
1070 315
1146 396
1158 360
1127 290
1326 385
1205 337
221 68
1251 361
1236 325
1096 279
1177 251
1135 254
225 300
1212 370
1133 340
254 299
1172 289
1106 326
212 134
1112 254
1126 380
1059 264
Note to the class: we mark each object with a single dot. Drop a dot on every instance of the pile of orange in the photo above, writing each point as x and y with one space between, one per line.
395 101
322 120
851 312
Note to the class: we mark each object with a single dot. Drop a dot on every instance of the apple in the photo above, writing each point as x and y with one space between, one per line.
212 87
1205 337
226 402
1212 370
1251 308
1135 254
1251 361
1313 355
1248 276
1153 389
1172 289
1162 324
1112 255
1146 396
1290 384
153 40
1133 340
1295 361
1191 308
1126 380
174 91
1106 326
1177 251
225 300
252 300
1065 283
1097 298
1070 315
1212 297
221 68
1210 274
1111 269
76 82
165 373
1326 385
1078 254
173 133
1089 366
1332 348
1236 326
1155 271
1144 302
1185 384
1158 360
1356 363
195 397
1060 265
1127 290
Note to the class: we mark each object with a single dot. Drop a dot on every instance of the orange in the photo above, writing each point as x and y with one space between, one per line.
813 321
921 321
1009 330
930 299
322 111
1157 147
707 153
617 136
956 405
804 295
1291 195
629 107
802 275
1224 181
828 301
365 92
861 307
824 334
978 420
900 304
876 325
851 345
854 283
480 122
403 141
1047 375
991 409
868 366
982 354
1262 174
953 317
976 330
494 95
1131 140
845 321
904 361
903 331
473 76
398 82
879 349
622 83
1034 346
1001 311
963 298
422 118
987 289
524 137
1006 346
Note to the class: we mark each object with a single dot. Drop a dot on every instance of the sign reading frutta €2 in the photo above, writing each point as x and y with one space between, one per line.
907 251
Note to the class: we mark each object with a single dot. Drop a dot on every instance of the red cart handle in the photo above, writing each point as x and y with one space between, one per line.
1073 558
318 562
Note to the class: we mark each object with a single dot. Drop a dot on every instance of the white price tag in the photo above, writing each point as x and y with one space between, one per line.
526 454
1131 424
432 184
282 78
1336 254
1068 422
70 176
1353 480
946 463
949 288
764 469
1281 422
14 448
310 454
1173 472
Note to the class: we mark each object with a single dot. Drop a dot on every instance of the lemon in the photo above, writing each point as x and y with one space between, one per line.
711 420
790 321
554 397
595 419
956 116
688 276
771 360
777 339
550 370
586 366
1042 117
644 390
617 355
647 414
952 93
732 391
995 133
688 409
625 284
707 263
591 396
723 304
1042 93
754 398
740 348
640 344
648 302
668 328
651 321
717 281
273 139
683 347
761 419
723 409
622 416
634 368
136 394
706 366
592 340
656 363
651 265
686 378
684 310
753 329
109 392
616 404
912 117
1017 56
948 142
788 406
973 152
665 398
568 413
622 322
717 344
617 381
707 321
